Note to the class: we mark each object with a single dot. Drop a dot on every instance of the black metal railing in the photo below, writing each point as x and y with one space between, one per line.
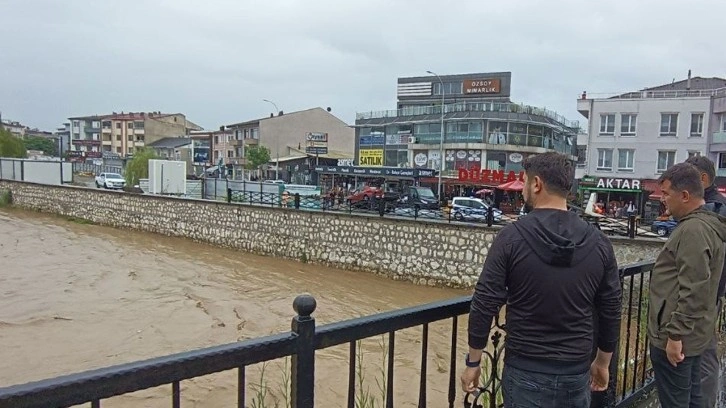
631 373
383 207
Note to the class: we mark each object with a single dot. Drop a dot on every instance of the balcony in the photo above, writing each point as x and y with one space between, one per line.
90 129
247 142
138 131
583 106
719 137
463 107
720 172
86 142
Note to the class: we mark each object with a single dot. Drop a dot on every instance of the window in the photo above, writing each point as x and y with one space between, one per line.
216 141
723 122
625 159
722 160
605 159
106 124
668 124
607 124
118 125
118 138
230 153
696 124
216 154
131 137
666 159
627 124
138 125
255 133
131 150
692 153
130 125
581 156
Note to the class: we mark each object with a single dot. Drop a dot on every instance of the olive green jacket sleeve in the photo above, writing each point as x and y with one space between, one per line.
693 260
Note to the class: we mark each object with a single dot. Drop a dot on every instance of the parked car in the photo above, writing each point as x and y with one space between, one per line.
364 194
473 209
664 227
111 181
421 198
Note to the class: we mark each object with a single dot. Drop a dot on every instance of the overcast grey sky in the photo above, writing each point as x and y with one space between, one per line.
215 60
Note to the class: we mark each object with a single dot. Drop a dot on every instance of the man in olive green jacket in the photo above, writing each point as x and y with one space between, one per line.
683 289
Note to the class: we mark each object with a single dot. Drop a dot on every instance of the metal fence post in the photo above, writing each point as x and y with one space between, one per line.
302 387
297 201
229 195
381 207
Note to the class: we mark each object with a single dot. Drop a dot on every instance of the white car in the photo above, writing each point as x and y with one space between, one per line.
110 180
466 208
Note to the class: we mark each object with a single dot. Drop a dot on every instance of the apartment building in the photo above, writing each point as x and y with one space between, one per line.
288 133
632 138
124 133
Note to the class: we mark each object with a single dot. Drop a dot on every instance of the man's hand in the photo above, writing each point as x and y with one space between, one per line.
674 352
599 376
470 379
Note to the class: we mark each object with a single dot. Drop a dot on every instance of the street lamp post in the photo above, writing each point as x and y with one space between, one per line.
277 145
441 141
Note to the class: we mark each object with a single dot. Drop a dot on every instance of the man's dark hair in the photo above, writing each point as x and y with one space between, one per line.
704 165
554 169
684 177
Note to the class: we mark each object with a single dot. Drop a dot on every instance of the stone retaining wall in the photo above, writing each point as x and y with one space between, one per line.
427 253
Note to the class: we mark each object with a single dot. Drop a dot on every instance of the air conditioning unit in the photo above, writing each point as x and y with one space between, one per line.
412 139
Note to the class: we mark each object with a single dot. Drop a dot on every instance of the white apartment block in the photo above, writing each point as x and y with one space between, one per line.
638 135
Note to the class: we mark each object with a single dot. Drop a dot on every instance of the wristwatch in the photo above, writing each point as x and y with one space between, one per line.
472 364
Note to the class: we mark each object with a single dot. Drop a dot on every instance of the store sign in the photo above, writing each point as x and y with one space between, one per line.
516 157
370 157
489 176
372 140
376 171
481 86
316 137
420 159
345 162
618 183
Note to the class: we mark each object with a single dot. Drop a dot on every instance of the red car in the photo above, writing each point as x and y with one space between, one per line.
365 194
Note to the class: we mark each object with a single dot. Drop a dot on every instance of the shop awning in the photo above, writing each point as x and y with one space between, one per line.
654 187
515 185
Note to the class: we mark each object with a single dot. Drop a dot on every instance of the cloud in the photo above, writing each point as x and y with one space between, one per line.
216 61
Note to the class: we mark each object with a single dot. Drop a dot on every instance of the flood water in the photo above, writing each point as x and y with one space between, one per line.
77 297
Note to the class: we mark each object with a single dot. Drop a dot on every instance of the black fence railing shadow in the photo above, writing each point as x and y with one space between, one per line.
631 373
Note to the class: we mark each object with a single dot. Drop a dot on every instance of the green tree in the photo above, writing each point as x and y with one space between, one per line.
48 146
138 167
11 146
256 156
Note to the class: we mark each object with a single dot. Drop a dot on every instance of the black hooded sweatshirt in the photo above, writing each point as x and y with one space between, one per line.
555 272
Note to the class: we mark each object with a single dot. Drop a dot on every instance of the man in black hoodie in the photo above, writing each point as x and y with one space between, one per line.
715 202
554 271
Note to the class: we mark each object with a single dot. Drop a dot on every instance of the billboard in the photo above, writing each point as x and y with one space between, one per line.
370 157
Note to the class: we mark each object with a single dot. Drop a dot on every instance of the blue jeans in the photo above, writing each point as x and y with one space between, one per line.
680 386
527 389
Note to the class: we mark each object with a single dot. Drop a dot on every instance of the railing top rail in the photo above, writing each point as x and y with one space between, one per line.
636 268
106 382
509 107
645 94
363 327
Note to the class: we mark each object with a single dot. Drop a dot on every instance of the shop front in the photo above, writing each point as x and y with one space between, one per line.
351 177
614 195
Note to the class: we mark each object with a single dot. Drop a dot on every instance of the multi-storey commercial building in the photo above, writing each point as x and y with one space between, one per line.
632 138
124 133
482 128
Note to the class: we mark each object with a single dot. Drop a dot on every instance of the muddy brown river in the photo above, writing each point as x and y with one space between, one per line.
77 297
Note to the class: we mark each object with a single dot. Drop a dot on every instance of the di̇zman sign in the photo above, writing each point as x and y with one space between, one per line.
489 176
